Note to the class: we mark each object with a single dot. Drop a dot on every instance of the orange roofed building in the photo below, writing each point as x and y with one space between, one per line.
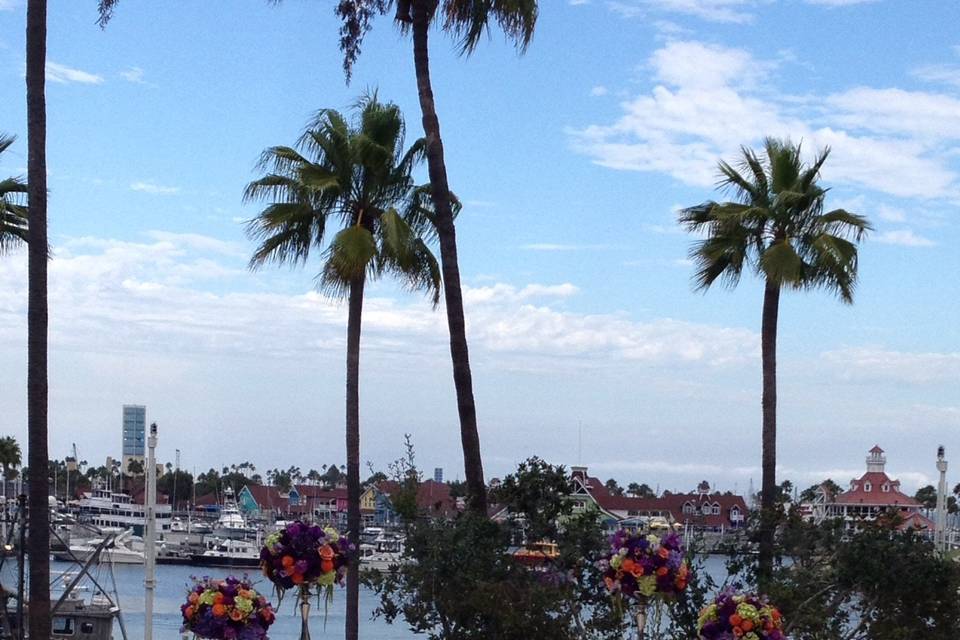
872 494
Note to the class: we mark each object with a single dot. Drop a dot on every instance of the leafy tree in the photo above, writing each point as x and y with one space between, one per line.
406 475
536 498
614 488
10 456
177 479
458 489
358 174
376 477
467 21
135 468
13 210
38 543
808 494
331 477
777 227
640 490
927 496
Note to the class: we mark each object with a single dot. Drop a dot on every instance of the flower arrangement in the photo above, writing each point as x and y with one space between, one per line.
640 567
740 616
303 556
226 610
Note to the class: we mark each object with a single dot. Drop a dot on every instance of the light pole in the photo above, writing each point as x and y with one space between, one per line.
149 582
941 538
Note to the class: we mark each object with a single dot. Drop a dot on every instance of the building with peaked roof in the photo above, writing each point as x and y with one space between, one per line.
871 495
701 510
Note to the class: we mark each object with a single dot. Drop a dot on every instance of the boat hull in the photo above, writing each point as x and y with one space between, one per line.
224 562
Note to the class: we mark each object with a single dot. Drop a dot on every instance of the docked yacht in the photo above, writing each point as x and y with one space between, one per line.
384 553
226 552
105 508
231 523
122 548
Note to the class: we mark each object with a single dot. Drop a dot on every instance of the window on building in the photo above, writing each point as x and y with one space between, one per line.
688 508
62 625
867 487
885 487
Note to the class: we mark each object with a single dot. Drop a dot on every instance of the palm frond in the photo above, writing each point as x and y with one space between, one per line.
350 254
468 20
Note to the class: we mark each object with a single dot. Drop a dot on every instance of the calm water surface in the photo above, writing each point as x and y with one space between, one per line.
172 581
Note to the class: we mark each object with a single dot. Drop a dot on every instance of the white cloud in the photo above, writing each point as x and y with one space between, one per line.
133 74
9 5
711 99
875 363
153 188
948 74
904 238
577 3
64 74
711 10
888 213
599 90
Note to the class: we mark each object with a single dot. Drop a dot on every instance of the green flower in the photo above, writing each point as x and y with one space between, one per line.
327 579
332 534
748 612
243 604
647 585
272 541
208 597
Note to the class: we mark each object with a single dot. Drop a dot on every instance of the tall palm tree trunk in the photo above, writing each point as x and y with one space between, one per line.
353 451
768 349
38 545
462 379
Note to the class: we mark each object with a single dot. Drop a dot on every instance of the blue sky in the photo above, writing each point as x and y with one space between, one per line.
571 161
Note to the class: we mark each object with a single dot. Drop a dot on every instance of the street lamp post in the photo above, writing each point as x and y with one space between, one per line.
149 581
941 537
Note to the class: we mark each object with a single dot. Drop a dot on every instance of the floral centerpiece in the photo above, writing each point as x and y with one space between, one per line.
642 567
740 616
306 557
226 610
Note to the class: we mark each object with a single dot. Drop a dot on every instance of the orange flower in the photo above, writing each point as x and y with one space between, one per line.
683 571
628 565
217 599
326 565
662 571
219 610
747 625
326 552
188 612
287 562
737 631
193 597
236 615
297 578
663 553
735 620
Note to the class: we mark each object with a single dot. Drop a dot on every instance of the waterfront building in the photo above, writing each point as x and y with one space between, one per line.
702 510
134 435
438 474
870 496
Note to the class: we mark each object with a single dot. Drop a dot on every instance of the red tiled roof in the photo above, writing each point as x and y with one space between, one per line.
876 449
672 503
431 495
876 496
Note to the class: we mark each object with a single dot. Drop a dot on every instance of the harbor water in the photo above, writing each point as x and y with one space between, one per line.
173 581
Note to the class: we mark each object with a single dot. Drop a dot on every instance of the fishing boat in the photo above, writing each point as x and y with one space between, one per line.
231 523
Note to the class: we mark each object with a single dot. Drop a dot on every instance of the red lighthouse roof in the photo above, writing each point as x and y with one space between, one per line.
876 449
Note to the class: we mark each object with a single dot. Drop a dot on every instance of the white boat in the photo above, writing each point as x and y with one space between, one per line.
231 523
124 548
104 508
384 554
226 552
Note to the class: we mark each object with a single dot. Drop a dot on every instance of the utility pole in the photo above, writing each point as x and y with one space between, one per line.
176 472
941 537
149 581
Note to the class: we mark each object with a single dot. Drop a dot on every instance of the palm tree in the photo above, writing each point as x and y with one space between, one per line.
13 211
38 546
778 228
358 175
467 21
